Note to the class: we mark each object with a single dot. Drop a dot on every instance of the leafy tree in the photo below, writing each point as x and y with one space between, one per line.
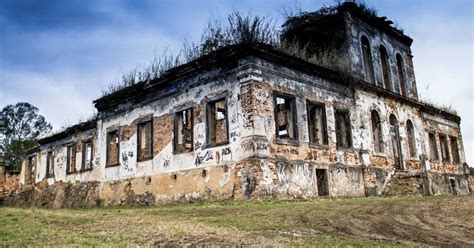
20 125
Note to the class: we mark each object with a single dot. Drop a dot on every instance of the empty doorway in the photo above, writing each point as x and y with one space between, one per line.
322 180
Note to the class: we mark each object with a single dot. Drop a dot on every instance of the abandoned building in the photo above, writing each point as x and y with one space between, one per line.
249 121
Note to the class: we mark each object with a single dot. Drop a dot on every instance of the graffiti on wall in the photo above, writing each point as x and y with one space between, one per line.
125 159
203 158
296 176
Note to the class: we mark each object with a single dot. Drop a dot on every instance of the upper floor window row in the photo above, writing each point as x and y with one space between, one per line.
384 66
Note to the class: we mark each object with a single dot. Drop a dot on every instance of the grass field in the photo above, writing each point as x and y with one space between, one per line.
404 221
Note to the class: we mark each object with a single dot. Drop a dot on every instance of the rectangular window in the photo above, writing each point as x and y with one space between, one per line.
50 165
285 117
317 123
343 129
113 148
183 131
455 149
217 124
30 170
87 155
71 159
144 141
433 147
443 140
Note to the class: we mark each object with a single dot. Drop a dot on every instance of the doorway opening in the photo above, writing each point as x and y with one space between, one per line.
322 180
452 181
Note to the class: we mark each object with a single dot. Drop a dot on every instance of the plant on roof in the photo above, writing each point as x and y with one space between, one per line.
317 37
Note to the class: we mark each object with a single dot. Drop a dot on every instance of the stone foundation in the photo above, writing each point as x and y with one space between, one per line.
249 179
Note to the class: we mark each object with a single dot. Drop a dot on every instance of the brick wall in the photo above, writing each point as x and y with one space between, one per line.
9 183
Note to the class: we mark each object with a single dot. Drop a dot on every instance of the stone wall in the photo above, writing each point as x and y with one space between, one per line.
208 183
445 184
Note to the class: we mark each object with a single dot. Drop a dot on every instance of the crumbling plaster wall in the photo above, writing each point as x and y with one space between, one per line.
164 160
367 102
59 149
358 28
343 165
439 125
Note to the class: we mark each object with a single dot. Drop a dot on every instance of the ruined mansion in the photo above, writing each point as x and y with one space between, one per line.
250 121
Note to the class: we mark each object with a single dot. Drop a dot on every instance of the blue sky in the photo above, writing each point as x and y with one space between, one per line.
59 55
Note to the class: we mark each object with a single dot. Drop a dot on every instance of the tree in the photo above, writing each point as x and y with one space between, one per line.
20 126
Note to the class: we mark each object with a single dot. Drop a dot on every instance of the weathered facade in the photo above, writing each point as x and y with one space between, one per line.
250 121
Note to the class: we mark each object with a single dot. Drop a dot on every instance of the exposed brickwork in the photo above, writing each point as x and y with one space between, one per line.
9 183
162 132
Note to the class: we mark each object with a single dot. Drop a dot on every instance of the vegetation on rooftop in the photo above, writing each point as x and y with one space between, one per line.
238 29
446 108
316 37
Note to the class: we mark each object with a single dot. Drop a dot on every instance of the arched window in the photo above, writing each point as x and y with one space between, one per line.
411 139
367 55
395 138
401 75
385 67
376 131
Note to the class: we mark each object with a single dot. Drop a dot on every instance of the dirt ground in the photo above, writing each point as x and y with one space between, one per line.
404 221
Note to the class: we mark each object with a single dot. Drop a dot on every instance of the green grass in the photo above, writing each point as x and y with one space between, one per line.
271 222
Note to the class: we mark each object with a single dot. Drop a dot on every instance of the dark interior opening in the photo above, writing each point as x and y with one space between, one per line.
322 180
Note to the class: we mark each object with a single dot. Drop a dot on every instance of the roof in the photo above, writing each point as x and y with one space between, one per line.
81 127
227 56
232 53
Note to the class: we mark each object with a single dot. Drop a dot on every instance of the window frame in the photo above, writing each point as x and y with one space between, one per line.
49 164
386 81
294 118
325 138
208 120
84 155
368 61
176 149
349 127
139 127
401 74
432 142
107 162
411 143
455 155
30 172
443 137
68 159
381 148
